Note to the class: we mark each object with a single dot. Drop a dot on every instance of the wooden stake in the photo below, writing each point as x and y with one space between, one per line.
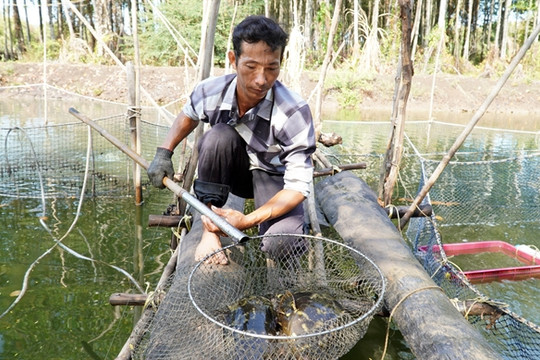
133 116
206 52
394 151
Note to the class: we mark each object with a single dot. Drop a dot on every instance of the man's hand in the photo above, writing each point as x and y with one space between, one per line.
210 240
233 217
160 167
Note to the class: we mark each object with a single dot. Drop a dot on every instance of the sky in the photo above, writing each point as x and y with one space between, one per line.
33 11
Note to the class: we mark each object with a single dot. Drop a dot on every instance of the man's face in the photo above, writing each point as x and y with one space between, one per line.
257 69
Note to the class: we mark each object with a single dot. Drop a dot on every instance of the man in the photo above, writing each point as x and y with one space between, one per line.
259 144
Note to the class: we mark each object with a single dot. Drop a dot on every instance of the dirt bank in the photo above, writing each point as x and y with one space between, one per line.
452 93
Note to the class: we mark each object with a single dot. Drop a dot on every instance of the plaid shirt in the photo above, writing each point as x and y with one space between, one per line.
278 131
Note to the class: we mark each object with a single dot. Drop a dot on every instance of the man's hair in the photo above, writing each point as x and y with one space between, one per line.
257 28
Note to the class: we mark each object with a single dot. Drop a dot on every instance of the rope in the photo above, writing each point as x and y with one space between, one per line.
432 287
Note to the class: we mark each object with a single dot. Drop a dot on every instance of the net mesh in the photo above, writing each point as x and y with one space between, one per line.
50 160
314 304
498 185
488 192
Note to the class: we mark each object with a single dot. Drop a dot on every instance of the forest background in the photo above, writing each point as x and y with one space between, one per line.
473 39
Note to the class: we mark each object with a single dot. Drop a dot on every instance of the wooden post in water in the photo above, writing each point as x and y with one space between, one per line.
206 52
431 325
134 121
389 172
134 111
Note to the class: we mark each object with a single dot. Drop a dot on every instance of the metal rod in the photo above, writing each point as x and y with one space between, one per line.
221 223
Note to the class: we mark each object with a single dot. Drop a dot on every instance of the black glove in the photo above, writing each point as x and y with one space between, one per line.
160 167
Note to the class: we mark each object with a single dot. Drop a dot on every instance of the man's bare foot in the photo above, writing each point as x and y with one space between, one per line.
210 242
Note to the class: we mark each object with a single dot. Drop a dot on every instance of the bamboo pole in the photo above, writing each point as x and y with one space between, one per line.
476 117
205 65
133 118
220 222
44 29
137 104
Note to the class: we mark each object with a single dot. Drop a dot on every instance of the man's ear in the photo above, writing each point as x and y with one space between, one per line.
232 59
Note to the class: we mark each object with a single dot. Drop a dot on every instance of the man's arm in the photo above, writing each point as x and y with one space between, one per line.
280 204
162 164
180 129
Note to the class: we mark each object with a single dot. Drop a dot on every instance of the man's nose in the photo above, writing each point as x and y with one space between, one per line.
260 77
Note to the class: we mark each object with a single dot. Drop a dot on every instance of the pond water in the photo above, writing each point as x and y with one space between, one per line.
65 314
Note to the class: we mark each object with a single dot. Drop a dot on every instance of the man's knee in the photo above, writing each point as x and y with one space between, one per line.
219 136
211 193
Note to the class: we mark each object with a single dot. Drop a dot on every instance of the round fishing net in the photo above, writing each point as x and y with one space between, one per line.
312 298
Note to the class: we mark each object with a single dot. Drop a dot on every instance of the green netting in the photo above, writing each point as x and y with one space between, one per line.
502 191
38 159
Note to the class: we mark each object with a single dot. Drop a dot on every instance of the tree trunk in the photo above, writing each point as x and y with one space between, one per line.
416 27
457 44
442 41
356 33
27 22
506 24
101 23
498 28
395 146
427 21
487 25
308 25
528 20
40 7
52 35
68 19
324 69
468 34
17 26
5 16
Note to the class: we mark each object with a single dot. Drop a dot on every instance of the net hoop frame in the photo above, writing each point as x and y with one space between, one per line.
368 313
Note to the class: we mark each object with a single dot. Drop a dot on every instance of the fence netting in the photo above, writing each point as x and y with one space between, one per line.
51 159
497 186
481 190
